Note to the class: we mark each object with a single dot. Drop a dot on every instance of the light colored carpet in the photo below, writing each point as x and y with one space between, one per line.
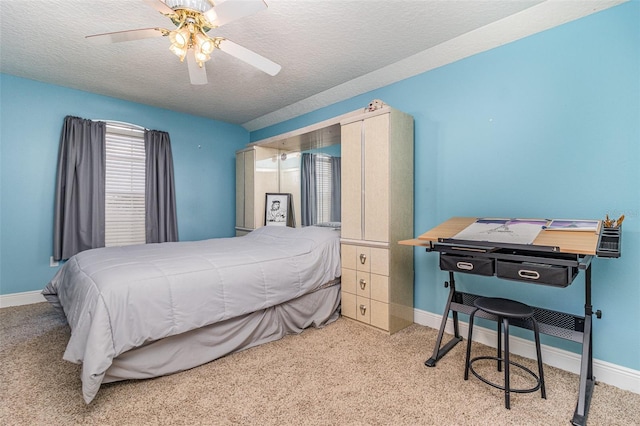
344 374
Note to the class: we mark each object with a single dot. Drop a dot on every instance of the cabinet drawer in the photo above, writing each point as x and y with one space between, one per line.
366 259
559 276
467 264
366 285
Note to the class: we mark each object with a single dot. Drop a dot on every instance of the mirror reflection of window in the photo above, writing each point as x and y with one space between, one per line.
320 188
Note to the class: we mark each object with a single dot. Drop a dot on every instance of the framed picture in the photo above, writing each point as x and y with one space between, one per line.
279 210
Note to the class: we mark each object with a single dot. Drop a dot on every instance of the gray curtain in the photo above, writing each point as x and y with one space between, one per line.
160 199
336 191
79 200
308 190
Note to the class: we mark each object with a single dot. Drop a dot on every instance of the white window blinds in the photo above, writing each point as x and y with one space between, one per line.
124 185
323 188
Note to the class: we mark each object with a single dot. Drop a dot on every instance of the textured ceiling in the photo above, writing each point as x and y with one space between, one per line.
329 50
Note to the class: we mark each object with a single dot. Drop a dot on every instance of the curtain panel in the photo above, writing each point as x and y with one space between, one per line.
79 210
160 201
308 192
80 197
336 189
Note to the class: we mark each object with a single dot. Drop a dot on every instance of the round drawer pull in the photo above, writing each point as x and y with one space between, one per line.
363 284
525 273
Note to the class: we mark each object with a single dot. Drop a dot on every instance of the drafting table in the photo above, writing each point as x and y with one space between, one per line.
553 258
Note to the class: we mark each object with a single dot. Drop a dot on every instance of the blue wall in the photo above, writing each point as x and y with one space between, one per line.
31 116
547 126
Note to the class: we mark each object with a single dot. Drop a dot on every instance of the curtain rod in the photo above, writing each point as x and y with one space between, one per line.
130 126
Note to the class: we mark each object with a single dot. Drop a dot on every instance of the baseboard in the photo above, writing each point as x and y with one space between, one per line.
605 372
18 299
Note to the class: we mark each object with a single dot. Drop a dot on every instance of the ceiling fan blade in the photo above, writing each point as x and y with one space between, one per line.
197 73
129 35
252 58
230 10
160 7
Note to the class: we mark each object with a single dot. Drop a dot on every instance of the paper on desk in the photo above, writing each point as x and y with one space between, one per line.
514 231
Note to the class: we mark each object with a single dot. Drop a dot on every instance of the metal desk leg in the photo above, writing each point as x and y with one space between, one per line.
437 351
587 380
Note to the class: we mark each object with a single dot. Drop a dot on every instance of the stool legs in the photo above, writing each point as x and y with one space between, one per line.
499 353
466 363
507 386
503 329
536 334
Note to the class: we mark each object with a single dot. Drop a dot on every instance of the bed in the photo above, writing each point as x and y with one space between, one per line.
148 310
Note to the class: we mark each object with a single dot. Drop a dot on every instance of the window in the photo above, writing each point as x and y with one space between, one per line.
323 188
124 185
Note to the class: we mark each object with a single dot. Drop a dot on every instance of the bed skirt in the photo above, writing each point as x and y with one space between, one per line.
197 347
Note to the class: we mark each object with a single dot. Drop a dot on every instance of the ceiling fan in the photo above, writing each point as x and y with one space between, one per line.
193 19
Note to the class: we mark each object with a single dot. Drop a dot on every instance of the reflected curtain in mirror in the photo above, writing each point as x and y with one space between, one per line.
336 185
320 188
160 203
308 191
79 199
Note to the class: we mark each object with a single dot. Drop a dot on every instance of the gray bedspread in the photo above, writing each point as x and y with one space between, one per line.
119 298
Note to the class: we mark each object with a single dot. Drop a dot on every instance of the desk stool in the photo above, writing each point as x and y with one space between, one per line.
505 310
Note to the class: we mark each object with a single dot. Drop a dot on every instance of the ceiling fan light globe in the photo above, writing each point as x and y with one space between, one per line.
205 43
178 39
202 57
180 52
185 33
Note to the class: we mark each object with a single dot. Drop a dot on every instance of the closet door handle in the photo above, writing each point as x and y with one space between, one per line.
363 258
363 283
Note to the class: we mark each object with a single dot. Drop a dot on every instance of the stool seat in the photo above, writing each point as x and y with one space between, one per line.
505 310
504 307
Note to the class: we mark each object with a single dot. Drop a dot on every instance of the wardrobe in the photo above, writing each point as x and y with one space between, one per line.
377 212
376 198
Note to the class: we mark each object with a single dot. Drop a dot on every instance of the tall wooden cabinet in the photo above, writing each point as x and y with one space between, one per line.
377 212
256 175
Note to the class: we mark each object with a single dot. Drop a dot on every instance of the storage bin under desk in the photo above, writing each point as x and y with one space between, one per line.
536 273
467 264
525 271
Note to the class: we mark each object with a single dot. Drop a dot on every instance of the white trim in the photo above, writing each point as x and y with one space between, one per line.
605 372
18 299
